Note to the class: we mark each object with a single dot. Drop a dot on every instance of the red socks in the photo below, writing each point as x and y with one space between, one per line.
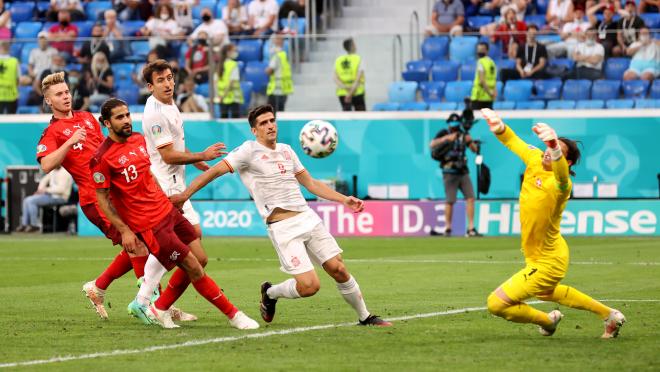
207 288
118 267
175 288
138 265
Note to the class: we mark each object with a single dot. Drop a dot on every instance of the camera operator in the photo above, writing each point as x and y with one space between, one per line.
449 147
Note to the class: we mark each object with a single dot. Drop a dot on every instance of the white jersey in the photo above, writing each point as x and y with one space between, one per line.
269 175
162 125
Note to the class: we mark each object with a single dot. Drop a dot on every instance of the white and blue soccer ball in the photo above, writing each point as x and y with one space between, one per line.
318 138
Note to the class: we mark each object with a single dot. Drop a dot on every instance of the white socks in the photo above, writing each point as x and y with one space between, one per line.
351 293
286 289
153 272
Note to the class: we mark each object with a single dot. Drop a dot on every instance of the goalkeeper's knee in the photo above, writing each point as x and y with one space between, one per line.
496 305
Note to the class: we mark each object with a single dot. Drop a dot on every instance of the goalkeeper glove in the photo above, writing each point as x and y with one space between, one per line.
549 137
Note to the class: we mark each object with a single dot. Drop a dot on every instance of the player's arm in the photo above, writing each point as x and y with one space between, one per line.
559 163
129 240
507 136
201 165
174 157
55 158
200 181
322 190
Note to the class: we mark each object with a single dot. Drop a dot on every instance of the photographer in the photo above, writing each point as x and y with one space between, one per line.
449 147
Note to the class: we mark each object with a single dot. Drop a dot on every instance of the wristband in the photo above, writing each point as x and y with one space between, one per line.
556 153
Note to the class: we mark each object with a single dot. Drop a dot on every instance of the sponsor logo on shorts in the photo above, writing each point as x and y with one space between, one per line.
41 148
123 160
99 177
156 130
295 261
174 255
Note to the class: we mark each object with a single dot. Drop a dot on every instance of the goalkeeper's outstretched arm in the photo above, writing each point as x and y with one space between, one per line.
508 137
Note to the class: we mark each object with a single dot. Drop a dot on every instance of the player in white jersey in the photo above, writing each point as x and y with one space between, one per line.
273 173
162 125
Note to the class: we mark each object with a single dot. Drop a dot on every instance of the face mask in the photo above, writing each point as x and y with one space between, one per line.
644 38
481 54
233 55
64 23
73 80
201 42
164 16
206 18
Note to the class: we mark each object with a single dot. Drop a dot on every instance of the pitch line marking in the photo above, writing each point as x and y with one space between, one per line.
289 331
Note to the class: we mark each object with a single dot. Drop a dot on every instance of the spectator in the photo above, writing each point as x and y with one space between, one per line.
134 10
569 35
96 45
163 29
36 97
183 13
518 6
54 188
78 88
41 58
102 79
63 34
559 12
189 101
138 79
649 6
234 14
502 6
530 61
484 89
230 94
197 59
588 56
607 28
5 22
645 52
114 34
215 28
628 27
511 33
447 17
72 6
280 85
10 74
262 17
349 78
296 6
601 5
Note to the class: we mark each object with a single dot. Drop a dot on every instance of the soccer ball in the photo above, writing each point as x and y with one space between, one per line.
318 138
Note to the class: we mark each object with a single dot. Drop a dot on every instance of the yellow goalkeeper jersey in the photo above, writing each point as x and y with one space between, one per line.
543 197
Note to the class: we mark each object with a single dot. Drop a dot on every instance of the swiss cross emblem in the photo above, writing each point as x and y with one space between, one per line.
67 132
538 183
123 160
89 124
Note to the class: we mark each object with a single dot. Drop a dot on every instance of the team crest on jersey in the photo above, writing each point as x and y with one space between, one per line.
287 155
156 130
538 183
67 132
41 148
123 160
99 177
295 261
143 151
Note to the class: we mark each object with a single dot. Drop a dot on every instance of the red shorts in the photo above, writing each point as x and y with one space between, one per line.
168 240
96 216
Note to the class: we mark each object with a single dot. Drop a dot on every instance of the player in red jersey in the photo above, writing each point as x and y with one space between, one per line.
70 140
135 204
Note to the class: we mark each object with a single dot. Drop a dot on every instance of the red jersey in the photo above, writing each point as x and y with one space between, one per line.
124 168
77 159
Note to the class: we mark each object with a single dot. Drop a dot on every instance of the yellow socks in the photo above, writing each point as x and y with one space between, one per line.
571 297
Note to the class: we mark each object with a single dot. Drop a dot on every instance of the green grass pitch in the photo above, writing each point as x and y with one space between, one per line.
43 314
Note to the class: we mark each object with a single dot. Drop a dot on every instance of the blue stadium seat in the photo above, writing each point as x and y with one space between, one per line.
590 104
202 89
615 67
443 106
414 106
94 10
27 30
432 91
504 63
635 88
248 88
619 104
435 48
265 52
444 71
495 52
504 105
542 6
25 52
130 28
386 106
43 6
478 21
576 89
28 110
197 9
536 19
129 94
499 86
15 51
123 71
651 20
548 89
456 91
402 91
561 105
530 105
74 67
655 89
467 70
136 109
518 90
417 70
249 50
21 11
546 39
463 48
255 71
647 103
566 62
139 49
605 89
84 28
23 93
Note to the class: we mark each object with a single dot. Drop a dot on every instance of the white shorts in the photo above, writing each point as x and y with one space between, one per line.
190 214
302 241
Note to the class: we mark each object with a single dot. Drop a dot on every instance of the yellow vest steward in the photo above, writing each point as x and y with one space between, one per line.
285 78
347 68
490 72
235 93
8 79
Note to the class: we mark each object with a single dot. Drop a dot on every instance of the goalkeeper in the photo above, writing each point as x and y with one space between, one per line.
543 197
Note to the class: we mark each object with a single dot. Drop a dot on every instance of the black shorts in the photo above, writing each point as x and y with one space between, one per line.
453 182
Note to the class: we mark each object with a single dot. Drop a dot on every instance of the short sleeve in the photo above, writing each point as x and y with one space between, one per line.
235 74
297 165
238 158
157 129
460 10
100 173
542 52
47 144
274 62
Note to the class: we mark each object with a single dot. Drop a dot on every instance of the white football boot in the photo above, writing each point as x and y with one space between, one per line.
96 296
242 321
555 316
613 324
